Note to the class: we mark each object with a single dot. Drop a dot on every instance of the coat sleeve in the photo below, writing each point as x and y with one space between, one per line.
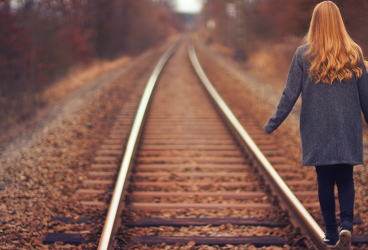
290 94
363 91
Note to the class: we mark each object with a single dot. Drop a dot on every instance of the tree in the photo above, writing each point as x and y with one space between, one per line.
15 57
40 40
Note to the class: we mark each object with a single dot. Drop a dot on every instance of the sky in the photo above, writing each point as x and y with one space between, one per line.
191 6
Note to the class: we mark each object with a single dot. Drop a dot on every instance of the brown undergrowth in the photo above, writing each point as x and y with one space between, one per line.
76 78
79 76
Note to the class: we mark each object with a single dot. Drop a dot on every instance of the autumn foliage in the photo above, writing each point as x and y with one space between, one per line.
293 16
40 40
280 21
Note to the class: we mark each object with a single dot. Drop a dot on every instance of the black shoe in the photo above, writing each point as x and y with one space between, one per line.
330 243
344 242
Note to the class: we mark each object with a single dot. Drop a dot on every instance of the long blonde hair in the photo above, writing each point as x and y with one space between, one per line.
332 54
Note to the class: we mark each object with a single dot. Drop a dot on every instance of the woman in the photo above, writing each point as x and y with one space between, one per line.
331 74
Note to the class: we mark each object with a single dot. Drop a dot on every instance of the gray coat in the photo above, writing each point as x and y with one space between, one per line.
330 117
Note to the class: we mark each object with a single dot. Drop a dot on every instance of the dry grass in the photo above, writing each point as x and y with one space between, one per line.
222 49
268 61
79 76
12 124
274 59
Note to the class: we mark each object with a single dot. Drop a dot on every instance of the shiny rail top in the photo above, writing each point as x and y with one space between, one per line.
304 218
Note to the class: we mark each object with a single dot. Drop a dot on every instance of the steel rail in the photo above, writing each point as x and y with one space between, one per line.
303 218
112 214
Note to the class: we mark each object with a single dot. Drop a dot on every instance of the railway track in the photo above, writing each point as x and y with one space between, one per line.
191 175
187 159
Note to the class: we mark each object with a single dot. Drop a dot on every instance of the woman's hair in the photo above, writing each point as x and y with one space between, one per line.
332 54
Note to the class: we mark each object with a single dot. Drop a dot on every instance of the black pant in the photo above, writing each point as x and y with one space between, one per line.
342 175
